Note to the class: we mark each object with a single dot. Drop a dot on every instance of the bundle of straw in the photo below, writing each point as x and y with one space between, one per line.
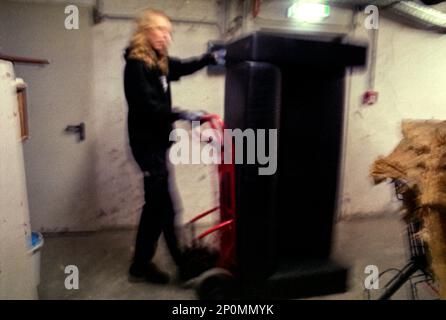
420 160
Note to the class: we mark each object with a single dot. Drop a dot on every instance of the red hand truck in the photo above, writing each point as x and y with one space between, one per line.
222 262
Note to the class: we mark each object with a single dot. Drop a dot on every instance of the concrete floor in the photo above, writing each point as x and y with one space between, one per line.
103 259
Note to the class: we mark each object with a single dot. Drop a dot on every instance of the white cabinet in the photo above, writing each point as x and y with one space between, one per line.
17 280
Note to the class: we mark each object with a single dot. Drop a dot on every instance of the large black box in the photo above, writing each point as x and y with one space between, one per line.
284 221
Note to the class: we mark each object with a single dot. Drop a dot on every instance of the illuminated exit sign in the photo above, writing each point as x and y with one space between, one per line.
308 11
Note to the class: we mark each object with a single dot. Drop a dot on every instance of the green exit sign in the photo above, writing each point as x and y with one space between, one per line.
308 11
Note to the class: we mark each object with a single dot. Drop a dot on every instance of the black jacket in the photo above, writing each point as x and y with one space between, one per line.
150 115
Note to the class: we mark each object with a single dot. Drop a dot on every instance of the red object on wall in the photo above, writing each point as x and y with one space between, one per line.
370 97
256 8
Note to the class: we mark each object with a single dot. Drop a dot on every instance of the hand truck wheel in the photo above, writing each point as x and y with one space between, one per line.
217 284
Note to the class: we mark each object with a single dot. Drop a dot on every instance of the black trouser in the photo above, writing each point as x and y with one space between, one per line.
158 213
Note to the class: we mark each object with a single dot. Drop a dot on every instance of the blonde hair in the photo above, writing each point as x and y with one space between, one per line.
140 47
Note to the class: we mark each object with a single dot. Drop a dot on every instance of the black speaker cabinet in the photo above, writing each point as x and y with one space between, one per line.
284 220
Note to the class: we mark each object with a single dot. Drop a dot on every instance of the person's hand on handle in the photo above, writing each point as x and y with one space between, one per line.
216 57
219 56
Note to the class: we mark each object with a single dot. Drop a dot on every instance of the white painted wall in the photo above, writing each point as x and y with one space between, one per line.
60 171
410 80
16 270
